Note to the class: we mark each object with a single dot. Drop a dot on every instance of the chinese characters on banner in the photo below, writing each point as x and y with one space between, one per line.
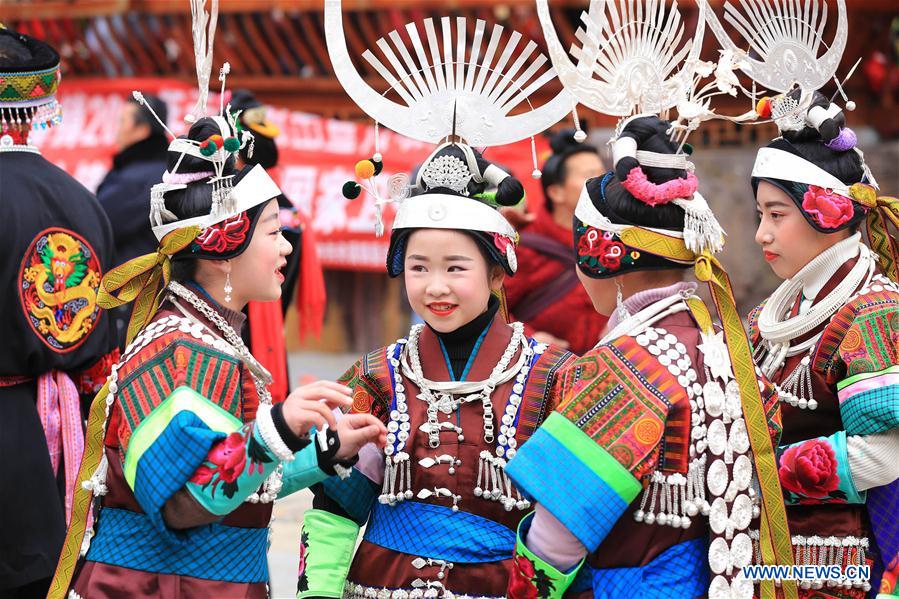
316 157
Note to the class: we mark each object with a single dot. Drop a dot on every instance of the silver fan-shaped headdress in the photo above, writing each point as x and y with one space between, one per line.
787 38
452 91
632 56
433 79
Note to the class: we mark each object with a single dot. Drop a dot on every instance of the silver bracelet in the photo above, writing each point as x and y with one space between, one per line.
270 435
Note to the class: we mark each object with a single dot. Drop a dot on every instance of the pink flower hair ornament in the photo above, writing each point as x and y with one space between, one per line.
828 209
639 186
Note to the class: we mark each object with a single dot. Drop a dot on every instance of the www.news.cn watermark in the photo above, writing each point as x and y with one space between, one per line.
856 575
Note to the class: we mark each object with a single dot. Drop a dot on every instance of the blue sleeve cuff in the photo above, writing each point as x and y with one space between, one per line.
356 495
302 472
575 479
168 463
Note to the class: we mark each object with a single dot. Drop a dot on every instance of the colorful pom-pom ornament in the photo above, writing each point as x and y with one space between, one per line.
365 169
351 190
232 144
379 164
217 140
208 148
763 108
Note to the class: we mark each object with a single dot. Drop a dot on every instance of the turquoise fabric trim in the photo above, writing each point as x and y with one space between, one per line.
220 496
213 552
680 572
302 472
547 471
847 486
872 411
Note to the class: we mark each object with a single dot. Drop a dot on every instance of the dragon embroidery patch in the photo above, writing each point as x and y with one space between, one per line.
58 284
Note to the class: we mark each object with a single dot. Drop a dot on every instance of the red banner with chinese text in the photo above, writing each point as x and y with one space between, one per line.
316 157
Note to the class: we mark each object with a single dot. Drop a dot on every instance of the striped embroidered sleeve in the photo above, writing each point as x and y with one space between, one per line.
601 440
869 393
181 428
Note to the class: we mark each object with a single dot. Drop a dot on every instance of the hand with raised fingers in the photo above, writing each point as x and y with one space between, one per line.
311 405
356 430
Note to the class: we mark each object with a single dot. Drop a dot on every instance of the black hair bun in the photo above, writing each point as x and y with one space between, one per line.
509 192
826 132
563 141
651 135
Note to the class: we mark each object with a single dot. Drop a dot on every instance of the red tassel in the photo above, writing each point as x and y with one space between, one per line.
311 298
267 344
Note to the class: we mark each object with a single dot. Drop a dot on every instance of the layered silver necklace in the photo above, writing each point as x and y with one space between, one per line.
778 329
446 397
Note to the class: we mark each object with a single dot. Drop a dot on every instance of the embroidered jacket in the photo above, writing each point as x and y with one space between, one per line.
454 527
636 462
850 391
184 454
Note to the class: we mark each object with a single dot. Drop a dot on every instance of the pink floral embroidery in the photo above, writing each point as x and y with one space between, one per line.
228 458
501 242
828 209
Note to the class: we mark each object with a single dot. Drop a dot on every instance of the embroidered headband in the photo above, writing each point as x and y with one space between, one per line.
28 90
254 189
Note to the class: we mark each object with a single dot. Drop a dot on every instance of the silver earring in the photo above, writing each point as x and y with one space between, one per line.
620 308
228 288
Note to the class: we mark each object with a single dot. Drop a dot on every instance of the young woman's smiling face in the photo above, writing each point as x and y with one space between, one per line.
788 241
256 273
448 280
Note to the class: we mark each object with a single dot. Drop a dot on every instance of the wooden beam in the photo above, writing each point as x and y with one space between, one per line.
54 9
14 10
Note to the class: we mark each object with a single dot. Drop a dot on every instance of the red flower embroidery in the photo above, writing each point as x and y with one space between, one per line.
226 235
203 475
521 585
229 456
302 578
809 469
591 243
611 258
829 210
